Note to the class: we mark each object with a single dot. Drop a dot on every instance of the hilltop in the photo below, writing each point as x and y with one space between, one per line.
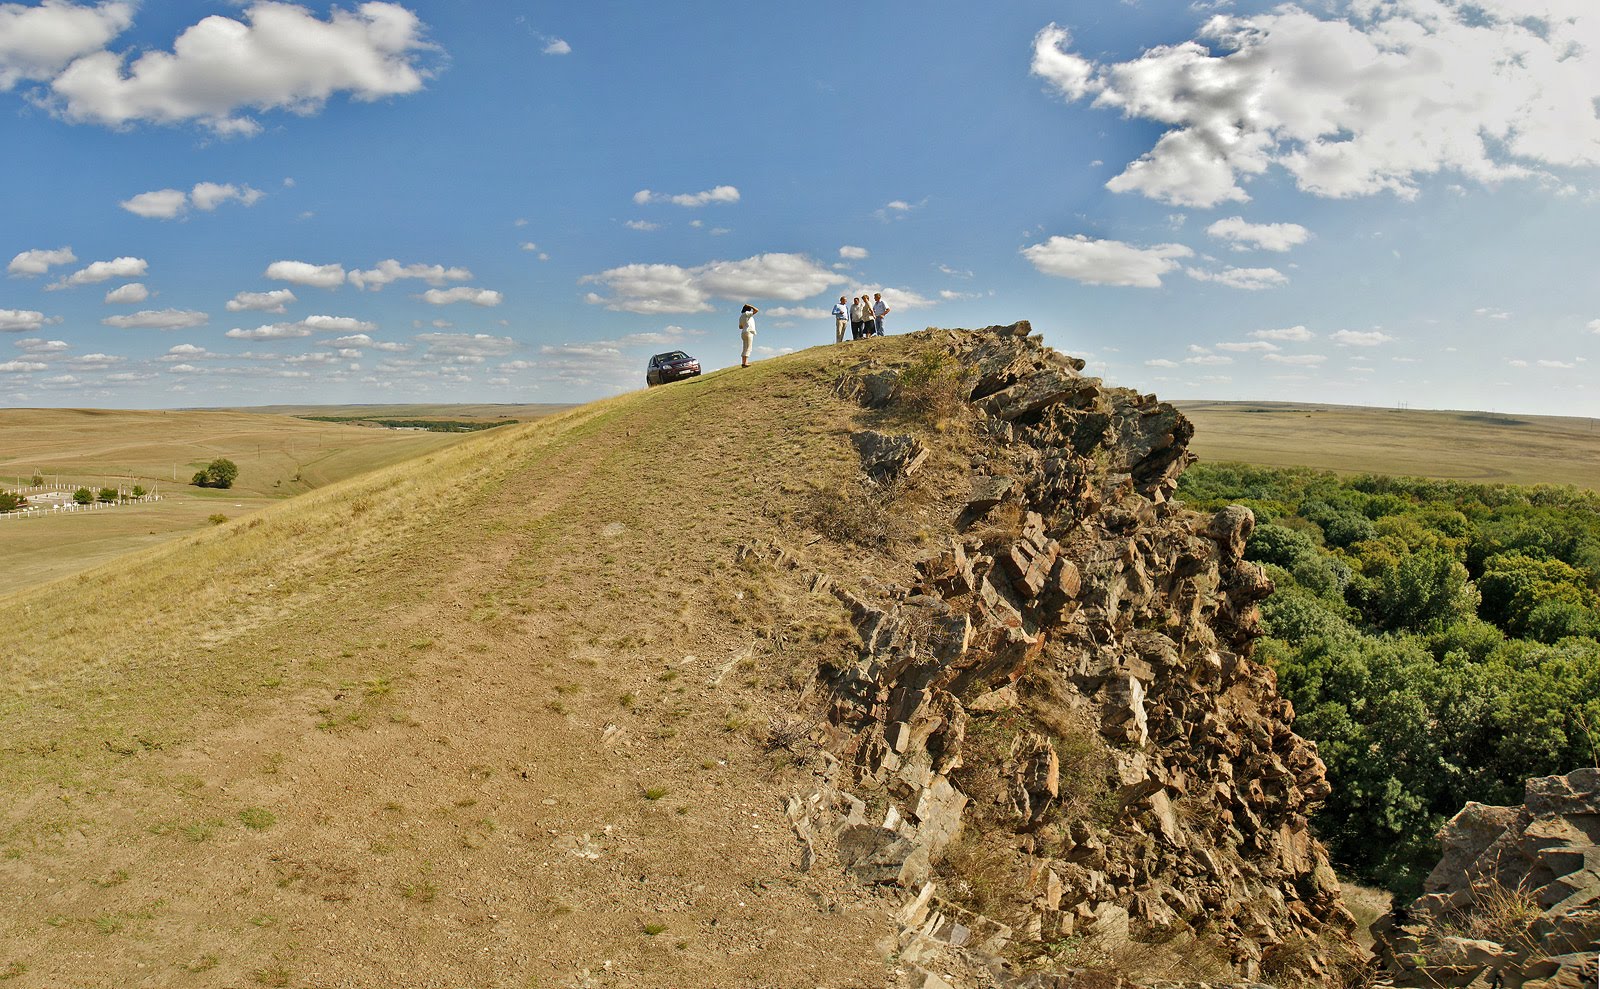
812 673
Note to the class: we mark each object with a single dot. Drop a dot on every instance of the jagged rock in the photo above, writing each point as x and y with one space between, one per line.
1128 751
1543 858
887 458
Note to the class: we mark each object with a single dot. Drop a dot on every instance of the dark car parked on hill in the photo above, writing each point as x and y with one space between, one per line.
670 367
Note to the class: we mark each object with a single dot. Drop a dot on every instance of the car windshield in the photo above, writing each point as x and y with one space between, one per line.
676 355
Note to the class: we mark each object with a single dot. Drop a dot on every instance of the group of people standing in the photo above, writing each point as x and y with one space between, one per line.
864 316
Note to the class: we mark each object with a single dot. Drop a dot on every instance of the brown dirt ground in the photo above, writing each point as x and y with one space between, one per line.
511 734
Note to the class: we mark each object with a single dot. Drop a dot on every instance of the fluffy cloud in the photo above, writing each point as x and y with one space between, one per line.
21 367
1248 279
304 273
644 225
159 319
38 42
279 57
1208 360
391 270
1360 338
94 362
852 253
129 294
37 345
103 271
1261 236
269 331
37 262
1296 360
1290 334
162 204
337 324
556 46
165 204
273 301
669 288
20 321
478 345
721 194
1353 105
1105 262
1594 326
462 293
1160 362
1253 345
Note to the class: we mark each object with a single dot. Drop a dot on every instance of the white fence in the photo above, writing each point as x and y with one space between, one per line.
46 500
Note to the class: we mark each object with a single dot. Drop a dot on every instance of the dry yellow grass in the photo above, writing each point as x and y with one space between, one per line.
503 707
1460 446
278 457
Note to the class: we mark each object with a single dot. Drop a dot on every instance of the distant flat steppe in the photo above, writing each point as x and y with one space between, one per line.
279 456
1482 447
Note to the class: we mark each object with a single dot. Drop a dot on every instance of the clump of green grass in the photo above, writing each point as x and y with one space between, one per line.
272 975
419 892
257 818
655 793
652 930
12 971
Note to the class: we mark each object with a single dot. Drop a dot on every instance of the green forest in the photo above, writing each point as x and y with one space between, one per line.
1440 641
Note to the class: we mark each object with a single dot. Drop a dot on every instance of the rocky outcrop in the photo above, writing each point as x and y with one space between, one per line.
1515 900
1064 700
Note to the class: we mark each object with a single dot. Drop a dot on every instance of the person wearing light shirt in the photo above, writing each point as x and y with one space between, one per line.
879 310
841 320
747 332
859 313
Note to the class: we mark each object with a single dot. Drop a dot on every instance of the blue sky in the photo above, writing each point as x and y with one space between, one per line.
1353 201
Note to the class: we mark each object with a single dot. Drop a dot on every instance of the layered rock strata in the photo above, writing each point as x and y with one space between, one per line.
1515 900
1066 696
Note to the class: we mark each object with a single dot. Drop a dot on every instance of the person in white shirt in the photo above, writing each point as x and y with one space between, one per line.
841 320
747 332
860 313
879 310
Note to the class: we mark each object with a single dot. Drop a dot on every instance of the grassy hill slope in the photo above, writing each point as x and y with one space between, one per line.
1460 446
493 717
278 457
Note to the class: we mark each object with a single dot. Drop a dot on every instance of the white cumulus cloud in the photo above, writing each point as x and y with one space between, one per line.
391 270
39 41
1289 334
1361 102
159 319
670 288
129 294
556 46
273 301
305 273
280 56
103 271
467 345
1248 279
21 367
337 324
1295 360
1105 262
36 262
21 320
1360 338
269 331
720 194
161 204
850 253
1243 236
1261 346
462 293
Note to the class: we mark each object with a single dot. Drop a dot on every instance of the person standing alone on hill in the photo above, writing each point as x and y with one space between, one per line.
879 310
841 319
747 332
